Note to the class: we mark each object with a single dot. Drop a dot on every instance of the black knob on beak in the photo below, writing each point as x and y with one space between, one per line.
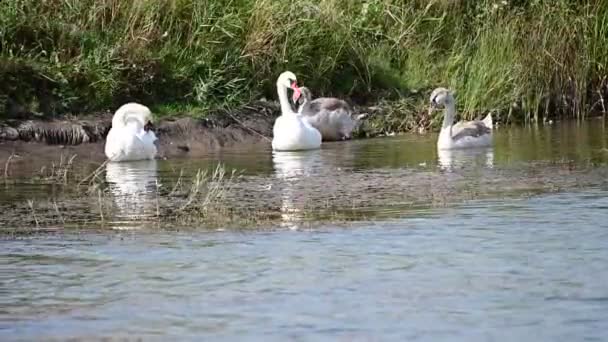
433 103
148 126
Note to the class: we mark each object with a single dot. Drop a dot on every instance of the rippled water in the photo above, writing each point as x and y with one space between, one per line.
399 244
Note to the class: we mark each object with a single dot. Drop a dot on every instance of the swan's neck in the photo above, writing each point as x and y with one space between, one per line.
118 120
448 117
134 119
284 100
124 119
303 106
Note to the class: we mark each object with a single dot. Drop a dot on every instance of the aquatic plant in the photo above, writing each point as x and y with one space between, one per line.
7 165
218 198
206 195
201 198
58 172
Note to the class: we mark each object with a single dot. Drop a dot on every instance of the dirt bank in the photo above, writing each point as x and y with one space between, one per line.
182 137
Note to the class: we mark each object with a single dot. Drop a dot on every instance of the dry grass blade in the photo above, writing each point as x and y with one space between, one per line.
7 165
94 175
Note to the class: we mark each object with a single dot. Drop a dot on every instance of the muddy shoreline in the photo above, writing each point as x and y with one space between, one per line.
182 136
179 136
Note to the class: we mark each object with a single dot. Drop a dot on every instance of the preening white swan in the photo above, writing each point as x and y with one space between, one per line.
464 134
290 131
130 137
331 116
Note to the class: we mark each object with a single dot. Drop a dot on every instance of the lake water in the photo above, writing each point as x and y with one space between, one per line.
379 239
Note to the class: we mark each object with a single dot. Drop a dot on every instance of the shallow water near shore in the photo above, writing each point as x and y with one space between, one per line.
379 239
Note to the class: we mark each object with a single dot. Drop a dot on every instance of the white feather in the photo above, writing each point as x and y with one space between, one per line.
127 139
290 131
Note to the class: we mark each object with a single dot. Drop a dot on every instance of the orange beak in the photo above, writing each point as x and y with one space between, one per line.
296 92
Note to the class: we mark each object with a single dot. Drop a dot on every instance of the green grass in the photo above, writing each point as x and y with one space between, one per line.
523 60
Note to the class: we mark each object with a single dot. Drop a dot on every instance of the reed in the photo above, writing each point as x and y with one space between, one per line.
523 60
203 198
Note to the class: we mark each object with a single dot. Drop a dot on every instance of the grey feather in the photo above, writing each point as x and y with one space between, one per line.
469 129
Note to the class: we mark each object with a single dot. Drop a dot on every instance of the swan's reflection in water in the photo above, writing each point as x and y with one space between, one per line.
133 187
451 160
294 172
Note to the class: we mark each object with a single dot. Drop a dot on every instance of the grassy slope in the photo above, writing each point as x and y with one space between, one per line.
521 59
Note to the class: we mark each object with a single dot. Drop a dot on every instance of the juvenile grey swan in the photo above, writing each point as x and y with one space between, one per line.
331 116
464 134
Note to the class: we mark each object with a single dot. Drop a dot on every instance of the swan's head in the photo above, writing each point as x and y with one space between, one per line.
304 96
441 97
133 111
288 80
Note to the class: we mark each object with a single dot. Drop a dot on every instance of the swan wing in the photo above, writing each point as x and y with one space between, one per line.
130 143
114 145
331 116
291 133
333 125
148 143
326 104
469 129
488 121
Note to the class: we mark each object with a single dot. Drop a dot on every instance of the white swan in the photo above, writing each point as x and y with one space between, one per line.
130 137
331 116
290 131
464 134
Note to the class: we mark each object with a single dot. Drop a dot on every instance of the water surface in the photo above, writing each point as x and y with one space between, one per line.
379 239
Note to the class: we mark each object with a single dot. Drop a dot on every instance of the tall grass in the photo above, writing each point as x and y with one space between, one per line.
524 60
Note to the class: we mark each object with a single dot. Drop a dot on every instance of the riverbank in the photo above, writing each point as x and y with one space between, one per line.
186 137
182 135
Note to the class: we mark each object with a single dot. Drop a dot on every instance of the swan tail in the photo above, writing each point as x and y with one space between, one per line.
361 116
488 121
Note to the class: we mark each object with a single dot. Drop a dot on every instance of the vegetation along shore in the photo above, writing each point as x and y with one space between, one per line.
524 61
